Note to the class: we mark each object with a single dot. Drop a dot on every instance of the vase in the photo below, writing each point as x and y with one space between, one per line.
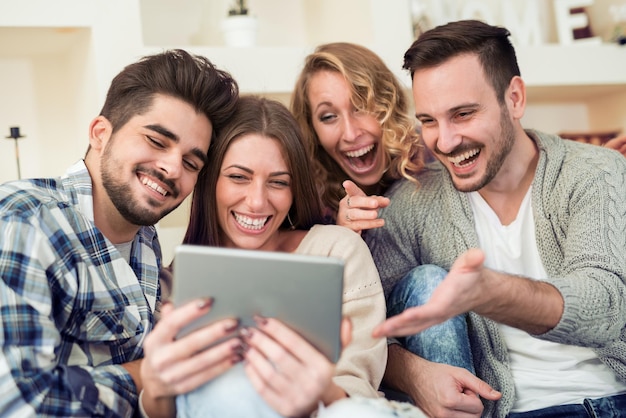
240 30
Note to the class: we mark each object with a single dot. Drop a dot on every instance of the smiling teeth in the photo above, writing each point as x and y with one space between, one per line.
458 160
154 186
360 152
250 223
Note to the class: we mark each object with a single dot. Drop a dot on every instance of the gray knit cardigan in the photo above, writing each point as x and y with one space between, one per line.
579 207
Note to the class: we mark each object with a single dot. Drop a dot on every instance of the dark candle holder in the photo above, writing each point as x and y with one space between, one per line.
15 135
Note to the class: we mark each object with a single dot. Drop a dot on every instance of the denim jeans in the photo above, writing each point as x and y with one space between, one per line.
609 407
447 342
228 395
231 395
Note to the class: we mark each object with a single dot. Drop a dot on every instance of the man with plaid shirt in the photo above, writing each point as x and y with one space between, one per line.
79 255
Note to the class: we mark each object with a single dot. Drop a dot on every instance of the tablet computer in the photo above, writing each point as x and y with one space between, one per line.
303 291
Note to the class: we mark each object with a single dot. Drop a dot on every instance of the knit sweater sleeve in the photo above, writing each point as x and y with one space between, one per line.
584 246
395 247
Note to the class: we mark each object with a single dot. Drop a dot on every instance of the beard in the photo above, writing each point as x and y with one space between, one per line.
501 151
121 194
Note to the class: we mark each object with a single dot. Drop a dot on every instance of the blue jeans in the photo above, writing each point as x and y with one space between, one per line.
447 342
228 395
231 395
609 407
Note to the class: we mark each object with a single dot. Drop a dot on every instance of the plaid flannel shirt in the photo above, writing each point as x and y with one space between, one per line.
72 310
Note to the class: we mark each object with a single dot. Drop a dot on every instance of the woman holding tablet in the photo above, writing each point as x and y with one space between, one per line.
258 194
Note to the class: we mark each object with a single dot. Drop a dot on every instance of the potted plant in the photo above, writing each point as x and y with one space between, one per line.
238 9
239 27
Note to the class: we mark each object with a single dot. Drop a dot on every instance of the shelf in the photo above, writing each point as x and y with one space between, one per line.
257 70
37 41
577 72
552 72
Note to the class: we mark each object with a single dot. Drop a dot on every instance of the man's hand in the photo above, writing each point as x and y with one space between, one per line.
533 306
440 390
451 392
458 293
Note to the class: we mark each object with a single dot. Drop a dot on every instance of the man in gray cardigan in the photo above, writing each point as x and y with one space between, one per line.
532 229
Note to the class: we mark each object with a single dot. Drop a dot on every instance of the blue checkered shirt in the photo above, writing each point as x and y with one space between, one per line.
72 309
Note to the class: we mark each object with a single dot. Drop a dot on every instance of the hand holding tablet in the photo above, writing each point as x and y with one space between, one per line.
303 291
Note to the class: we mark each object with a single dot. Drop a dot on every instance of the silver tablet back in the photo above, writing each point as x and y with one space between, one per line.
303 291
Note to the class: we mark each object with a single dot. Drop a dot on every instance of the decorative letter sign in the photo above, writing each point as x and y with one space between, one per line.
526 28
566 22
524 18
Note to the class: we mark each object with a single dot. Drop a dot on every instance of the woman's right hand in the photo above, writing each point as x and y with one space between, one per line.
358 211
174 366
289 373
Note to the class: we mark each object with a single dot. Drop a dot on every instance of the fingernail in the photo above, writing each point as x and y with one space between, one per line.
231 325
237 346
246 333
260 320
204 303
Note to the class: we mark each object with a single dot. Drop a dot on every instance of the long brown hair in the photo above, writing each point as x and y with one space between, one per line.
377 90
269 118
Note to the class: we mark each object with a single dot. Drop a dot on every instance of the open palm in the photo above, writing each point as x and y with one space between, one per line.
458 293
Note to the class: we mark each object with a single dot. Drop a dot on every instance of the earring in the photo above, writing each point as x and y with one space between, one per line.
291 225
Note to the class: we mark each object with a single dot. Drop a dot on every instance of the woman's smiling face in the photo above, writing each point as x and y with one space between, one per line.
253 193
352 137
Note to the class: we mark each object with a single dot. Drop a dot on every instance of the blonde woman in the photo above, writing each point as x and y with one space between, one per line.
356 123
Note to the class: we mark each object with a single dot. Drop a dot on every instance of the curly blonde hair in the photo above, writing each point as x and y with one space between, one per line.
375 89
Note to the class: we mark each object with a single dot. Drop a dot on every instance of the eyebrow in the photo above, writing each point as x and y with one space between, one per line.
320 104
161 130
452 110
247 170
280 173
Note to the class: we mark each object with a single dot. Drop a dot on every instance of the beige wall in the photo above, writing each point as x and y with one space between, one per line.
608 112
56 64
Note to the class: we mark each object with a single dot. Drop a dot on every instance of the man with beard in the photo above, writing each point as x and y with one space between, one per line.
532 229
79 255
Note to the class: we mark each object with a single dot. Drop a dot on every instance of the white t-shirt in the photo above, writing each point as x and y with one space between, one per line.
545 373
